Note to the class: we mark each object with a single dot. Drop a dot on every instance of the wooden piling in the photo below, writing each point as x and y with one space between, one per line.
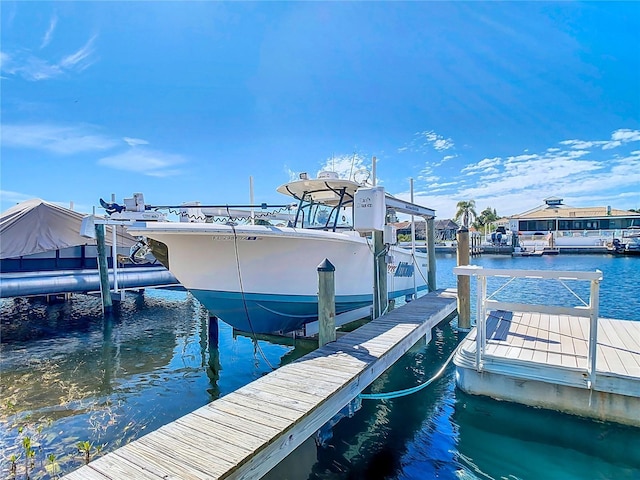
464 281
326 303
431 252
105 290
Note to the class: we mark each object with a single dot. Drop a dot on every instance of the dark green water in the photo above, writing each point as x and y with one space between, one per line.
67 376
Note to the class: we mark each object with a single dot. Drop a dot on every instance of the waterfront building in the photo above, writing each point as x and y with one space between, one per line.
574 226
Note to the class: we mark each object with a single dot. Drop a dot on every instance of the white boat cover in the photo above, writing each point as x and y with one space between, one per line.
36 226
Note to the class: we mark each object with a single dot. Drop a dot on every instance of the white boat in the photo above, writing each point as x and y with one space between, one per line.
628 245
263 278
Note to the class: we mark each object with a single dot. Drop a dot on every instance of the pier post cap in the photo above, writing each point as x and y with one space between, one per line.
463 229
326 266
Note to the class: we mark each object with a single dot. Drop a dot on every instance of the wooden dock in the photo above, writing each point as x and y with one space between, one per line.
246 433
547 357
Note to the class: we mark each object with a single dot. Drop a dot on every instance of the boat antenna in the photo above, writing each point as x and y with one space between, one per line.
373 170
353 161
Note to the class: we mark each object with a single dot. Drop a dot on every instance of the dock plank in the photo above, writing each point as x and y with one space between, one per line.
630 332
255 416
527 350
567 347
579 341
554 348
517 334
122 467
616 348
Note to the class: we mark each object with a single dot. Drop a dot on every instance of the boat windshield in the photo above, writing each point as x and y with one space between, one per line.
316 214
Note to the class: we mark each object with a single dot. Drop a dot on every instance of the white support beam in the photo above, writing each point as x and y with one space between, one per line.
409 208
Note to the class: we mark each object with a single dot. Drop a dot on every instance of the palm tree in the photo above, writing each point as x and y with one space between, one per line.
466 211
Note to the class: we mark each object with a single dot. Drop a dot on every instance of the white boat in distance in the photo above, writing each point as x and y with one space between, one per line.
263 278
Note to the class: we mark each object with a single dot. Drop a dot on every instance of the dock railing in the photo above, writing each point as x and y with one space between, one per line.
485 304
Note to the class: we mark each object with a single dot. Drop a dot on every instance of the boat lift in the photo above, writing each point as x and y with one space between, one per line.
372 207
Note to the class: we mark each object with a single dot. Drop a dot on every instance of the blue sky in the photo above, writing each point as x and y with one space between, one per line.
502 103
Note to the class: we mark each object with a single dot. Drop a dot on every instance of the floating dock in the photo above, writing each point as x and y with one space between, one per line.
246 433
560 358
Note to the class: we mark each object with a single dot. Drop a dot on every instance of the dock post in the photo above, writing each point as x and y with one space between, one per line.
105 290
214 333
326 303
594 312
380 294
431 252
464 281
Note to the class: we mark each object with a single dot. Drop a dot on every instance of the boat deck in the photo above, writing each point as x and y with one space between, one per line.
247 432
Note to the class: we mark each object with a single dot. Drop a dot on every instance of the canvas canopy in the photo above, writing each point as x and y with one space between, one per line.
36 226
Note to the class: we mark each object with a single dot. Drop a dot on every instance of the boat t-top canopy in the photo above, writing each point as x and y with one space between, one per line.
328 191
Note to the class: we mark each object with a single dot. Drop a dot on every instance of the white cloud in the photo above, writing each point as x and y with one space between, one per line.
583 173
132 142
5 59
145 161
33 68
485 165
49 33
626 135
618 138
7 196
345 165
427 141
580 143
64 140
290 173
79 60
438 141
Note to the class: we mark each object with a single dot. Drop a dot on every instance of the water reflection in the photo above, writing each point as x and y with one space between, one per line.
499 438
67 374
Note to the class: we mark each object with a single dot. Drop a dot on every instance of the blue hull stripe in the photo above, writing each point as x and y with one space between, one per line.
272 312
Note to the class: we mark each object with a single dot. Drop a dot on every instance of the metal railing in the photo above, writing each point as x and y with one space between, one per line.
484 304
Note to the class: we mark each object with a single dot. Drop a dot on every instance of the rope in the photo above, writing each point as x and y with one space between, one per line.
244 302
408 391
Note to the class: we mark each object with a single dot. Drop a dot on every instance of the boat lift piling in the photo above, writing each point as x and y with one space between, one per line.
431 253
464 282
105 289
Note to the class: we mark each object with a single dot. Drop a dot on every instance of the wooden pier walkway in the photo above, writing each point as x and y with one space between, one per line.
561 358
246 433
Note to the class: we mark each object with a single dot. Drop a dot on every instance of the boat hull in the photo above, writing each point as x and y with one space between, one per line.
264 279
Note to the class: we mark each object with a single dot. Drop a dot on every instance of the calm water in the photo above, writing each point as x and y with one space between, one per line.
67 376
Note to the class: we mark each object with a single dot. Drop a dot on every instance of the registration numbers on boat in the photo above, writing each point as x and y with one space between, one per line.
231 238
